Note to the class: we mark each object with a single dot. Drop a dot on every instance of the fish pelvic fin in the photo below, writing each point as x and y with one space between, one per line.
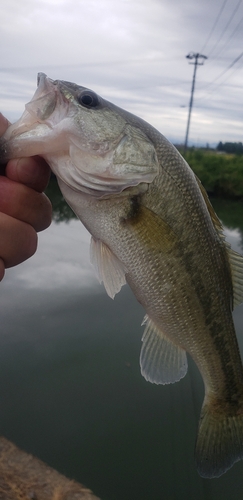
220 438
161 361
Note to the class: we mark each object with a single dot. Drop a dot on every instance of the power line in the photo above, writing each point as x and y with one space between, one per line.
221 74
215 23
227 69
225 28
227 77
228 40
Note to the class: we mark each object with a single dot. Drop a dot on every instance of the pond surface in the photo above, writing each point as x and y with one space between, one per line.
70 383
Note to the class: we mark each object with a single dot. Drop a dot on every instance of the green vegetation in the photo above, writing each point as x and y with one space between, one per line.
220 174
231 147
60 209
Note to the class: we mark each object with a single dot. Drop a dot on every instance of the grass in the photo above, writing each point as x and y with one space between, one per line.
221 175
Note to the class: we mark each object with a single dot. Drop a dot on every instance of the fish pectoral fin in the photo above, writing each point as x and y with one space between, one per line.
236 265
161 361
108 267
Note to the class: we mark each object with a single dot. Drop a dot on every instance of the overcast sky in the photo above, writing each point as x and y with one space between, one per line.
132 52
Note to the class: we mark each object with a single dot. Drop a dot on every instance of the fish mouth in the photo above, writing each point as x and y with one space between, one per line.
32 134
42 78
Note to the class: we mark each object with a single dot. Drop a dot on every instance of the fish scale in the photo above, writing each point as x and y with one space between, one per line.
151 226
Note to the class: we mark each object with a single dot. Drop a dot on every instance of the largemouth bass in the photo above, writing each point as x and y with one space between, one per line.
154 228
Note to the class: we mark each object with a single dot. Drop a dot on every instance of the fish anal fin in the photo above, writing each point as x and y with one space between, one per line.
108 267
220 438
161 361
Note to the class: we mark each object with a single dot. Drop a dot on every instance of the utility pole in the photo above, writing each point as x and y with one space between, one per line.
198 58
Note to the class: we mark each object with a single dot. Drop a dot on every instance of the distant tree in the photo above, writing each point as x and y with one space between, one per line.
231 147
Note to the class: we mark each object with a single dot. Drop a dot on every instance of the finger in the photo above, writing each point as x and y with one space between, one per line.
33 172
2 269
4 124
18 241
3 127
25 204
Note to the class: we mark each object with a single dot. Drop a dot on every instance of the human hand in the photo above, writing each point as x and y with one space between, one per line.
24 208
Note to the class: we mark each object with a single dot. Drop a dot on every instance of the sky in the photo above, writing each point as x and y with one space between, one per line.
133 53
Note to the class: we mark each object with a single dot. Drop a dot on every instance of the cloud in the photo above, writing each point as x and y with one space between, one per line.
133 53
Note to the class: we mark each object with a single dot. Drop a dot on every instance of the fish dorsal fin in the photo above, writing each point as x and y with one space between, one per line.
235 259
108 267
161 361
215 220
236 266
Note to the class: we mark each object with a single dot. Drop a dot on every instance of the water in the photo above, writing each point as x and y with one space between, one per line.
70 384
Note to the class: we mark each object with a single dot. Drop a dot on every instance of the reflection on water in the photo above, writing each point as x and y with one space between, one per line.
70 383
231 214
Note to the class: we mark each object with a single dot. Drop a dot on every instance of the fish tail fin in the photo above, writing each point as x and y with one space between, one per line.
220 438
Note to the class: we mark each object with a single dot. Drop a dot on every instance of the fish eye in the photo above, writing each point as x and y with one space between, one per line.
88 99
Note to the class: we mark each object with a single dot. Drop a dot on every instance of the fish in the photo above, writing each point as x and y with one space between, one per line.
152 226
